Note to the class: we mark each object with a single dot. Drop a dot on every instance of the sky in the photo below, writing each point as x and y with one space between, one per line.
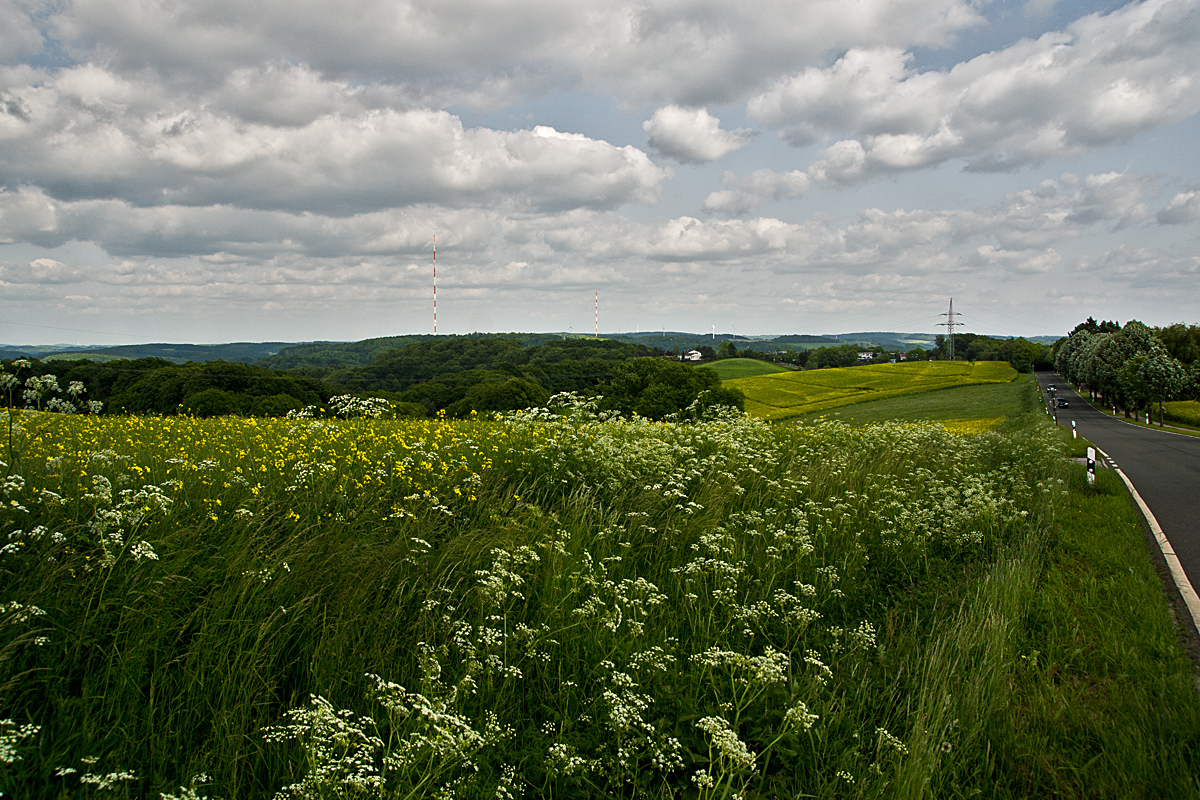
217 170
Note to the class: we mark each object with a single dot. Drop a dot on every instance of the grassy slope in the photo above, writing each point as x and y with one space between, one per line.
1183 412
731 368
1098 696
978 401
1103 696
792 394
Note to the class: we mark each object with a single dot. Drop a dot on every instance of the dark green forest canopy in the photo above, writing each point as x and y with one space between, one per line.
158 386
456 375
1182 341
439 373
657 388
317 359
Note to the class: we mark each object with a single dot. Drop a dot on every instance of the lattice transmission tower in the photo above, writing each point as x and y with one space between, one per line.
950 326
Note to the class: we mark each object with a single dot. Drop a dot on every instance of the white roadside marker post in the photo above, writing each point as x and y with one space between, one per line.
1091 465
1074 433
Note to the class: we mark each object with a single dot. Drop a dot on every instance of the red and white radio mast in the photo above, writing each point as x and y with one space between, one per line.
597 335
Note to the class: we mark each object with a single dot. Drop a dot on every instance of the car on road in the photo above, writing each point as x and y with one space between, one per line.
1050 388
1062 403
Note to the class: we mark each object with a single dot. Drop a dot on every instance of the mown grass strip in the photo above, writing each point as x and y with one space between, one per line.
1104 697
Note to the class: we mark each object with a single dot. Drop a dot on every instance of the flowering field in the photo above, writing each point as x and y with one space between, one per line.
550 604
796 393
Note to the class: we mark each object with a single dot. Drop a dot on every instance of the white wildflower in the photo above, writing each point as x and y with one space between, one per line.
726 740
12 734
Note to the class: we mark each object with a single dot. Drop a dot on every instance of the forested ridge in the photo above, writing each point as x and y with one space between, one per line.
419 375
453 375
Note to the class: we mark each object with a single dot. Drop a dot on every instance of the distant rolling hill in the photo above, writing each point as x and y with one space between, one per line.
240 352
307 356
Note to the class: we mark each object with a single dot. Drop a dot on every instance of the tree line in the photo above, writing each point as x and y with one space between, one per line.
1022 354
454 376
158 386
1133 367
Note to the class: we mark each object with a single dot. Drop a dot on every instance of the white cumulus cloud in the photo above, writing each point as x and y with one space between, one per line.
692 135
89 132
1102 80
1184 207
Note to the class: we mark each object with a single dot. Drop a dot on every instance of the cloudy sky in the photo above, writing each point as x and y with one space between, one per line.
217 170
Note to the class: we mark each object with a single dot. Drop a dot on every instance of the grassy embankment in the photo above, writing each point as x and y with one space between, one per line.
569 607
794 394
1183 412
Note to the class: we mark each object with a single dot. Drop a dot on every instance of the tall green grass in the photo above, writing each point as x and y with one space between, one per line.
602 608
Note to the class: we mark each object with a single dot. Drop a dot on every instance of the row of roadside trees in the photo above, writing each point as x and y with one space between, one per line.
1130 367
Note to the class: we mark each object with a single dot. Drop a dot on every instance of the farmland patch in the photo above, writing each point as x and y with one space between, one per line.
793 394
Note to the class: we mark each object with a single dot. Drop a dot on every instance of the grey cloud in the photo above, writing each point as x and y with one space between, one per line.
1183 208
1115 197
1016 262
20 36
206 260
658 51
1152 268
238 235
198 262
755 189
93 134
1023 221
42 271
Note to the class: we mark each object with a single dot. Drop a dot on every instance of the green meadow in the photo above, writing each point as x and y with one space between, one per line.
797 393
560 603
730 368
974 401
1186 412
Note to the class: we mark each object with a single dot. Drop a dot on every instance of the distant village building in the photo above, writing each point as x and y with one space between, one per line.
692 355
865 355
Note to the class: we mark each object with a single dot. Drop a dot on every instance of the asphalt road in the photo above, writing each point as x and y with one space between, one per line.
1164 467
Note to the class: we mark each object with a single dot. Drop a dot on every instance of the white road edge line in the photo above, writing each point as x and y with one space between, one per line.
1190 598
1147 428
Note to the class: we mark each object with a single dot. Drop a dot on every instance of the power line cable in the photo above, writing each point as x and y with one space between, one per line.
979 309
88 330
